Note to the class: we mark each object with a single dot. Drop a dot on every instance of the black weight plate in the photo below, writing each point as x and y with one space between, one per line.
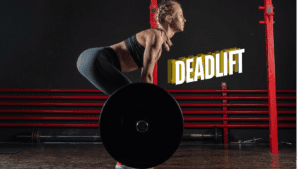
33 135
118 118
38 136
216 135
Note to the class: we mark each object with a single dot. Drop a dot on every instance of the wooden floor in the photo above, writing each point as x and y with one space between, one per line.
94 156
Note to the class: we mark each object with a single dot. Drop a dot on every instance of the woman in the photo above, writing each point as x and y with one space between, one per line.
103 66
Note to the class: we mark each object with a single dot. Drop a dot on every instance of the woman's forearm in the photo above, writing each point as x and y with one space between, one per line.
147 79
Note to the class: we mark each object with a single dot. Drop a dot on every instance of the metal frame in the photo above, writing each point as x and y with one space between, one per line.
273 128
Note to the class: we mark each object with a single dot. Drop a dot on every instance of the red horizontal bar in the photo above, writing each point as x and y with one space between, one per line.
96 125
46 118
48 111
53 90
235 112
176 97
233 104
181 104
262 22
225 91
169 90
237 125
54 97
184 111
48 104
49 124
185 118
236 118
231 97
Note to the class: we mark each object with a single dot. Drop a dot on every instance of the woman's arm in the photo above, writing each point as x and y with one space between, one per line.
153 46
147 78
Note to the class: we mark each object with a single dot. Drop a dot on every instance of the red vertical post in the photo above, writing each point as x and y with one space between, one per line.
225 129
153 8
273 128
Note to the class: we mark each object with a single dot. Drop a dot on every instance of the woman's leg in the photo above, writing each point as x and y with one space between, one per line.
101 67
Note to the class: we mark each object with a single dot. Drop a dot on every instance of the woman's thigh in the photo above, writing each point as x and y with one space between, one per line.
99 66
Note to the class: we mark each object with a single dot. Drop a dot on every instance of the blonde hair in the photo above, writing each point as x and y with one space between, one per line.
164 8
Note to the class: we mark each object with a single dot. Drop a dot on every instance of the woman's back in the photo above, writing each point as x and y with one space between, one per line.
127 62
103 66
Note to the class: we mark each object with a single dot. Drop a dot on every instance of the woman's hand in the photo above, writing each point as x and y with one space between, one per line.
167 47
167 44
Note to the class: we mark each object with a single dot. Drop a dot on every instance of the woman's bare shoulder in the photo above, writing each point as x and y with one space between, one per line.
150 33
147 35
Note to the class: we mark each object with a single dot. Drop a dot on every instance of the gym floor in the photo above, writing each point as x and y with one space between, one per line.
188 155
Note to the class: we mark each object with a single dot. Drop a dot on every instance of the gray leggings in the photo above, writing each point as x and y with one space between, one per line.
102 68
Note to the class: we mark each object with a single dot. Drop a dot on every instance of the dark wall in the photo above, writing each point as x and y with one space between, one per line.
41 40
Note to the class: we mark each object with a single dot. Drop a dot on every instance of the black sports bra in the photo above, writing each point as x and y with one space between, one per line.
136 50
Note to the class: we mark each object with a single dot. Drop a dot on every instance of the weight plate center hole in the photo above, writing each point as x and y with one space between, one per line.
142 126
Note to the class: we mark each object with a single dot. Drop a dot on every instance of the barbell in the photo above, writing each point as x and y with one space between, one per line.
35 136
215 136
141 126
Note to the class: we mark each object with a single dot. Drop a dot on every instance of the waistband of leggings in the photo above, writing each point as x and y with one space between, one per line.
115 58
